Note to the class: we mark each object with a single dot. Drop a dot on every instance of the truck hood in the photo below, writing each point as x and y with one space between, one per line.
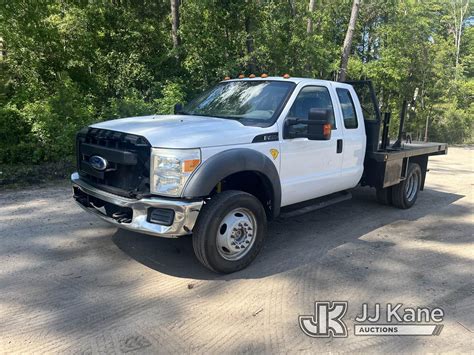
182 131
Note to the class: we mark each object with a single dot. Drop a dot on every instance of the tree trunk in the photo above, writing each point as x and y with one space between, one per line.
346 50
3 48
458 24
311 7
292 7
175 23
250 45
309 31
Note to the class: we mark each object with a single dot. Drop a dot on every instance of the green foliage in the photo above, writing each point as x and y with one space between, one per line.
67 64
14 133
55 120
131 104
172 94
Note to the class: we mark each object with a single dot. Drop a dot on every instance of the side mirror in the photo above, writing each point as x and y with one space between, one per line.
319 128
178 108
316 127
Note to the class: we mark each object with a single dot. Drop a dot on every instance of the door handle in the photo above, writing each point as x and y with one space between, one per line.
339 146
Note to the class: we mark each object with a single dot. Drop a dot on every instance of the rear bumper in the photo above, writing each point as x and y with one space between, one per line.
185 212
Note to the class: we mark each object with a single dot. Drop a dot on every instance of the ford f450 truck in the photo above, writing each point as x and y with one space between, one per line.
240 155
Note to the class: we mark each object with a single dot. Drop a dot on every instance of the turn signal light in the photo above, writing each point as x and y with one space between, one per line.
327 130
190 165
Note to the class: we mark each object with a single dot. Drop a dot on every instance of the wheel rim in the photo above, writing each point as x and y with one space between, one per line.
236 234
411 187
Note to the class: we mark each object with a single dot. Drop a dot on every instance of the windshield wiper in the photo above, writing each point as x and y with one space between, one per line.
214 116
237 118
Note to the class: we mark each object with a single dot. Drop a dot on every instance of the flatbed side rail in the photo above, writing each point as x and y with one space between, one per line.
410 150
386 168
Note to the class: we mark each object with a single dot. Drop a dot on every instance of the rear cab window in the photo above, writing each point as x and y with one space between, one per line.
348 108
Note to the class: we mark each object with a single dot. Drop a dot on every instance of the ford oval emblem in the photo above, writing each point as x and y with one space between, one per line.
98 163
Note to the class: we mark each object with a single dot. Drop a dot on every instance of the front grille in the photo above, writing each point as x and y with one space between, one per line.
128 161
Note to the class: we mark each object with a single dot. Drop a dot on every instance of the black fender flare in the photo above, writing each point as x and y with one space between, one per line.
229 162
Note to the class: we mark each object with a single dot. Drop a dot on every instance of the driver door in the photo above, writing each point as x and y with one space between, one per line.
311 168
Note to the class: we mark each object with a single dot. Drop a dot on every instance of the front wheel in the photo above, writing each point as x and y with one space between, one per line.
230 231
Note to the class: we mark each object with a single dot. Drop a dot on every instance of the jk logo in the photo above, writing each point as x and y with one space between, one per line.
326 321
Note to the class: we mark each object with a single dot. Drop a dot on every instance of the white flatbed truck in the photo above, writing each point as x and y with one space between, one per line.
240 155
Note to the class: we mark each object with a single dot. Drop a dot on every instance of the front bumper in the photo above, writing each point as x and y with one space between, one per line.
185 212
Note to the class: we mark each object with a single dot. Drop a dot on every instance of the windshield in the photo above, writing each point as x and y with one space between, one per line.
250 102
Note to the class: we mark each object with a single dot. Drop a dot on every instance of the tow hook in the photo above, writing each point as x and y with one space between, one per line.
122 217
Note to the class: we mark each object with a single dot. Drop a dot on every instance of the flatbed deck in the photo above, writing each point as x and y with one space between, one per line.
385 168
409 150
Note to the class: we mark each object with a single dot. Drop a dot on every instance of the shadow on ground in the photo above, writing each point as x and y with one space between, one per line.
309 236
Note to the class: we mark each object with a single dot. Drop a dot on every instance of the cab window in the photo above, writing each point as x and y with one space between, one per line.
312 97
348 108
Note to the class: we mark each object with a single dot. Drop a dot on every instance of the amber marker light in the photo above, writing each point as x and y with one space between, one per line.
286 76
241 76
327 130
227 78
252 76
264 75
190 165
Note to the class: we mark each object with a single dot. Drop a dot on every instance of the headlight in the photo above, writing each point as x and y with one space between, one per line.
171 168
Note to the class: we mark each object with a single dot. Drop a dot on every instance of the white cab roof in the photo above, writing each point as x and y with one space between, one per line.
290 79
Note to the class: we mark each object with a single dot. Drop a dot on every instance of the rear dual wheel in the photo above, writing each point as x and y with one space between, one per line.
230 231
404 194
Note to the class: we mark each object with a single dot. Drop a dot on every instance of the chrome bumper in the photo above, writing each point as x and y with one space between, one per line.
185 212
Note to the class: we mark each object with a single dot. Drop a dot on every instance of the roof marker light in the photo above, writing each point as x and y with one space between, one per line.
227 78
286 76
252 76
264 75
241 76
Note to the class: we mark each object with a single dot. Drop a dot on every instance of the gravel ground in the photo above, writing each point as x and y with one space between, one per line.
71 283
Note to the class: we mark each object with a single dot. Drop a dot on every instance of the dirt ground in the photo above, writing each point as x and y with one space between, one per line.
71 283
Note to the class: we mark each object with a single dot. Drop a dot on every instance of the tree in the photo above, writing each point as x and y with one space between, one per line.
175 23
346 48
71 63
311 8
249 43
459 10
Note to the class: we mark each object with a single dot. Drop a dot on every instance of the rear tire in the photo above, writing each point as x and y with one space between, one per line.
230 231
405 193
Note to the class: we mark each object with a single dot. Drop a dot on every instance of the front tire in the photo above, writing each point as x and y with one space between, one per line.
405 193
230 231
